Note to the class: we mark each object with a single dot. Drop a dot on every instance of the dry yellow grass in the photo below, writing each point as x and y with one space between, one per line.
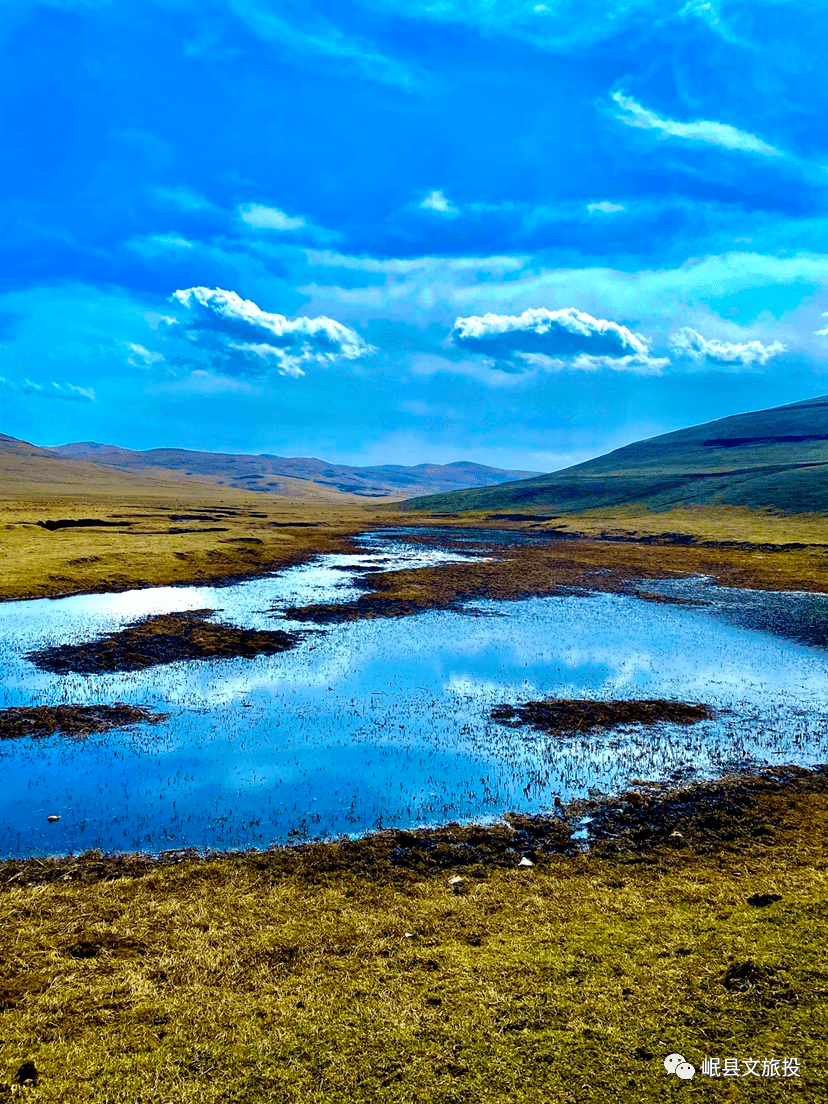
251 532
226 533
708 523
282 978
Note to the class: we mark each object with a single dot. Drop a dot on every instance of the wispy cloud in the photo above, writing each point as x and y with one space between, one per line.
269 218
184 199
318 37
723 354
604 207
823 333
436 201
52 390
140 356
555 24
245 339
705 131
540 338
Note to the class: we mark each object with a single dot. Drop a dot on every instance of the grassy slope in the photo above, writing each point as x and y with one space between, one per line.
771 459
285 977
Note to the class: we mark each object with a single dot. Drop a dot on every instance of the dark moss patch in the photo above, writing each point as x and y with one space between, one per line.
70 720
365 608
82 523
206 529
27 1074
566 715
166 638
194 517
762 900
706 816
761 983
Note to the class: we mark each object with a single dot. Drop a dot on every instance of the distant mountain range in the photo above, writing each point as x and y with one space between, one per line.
773 459
293 477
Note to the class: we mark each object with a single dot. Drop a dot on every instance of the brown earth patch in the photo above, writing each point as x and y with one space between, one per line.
70 720
166 638
565 715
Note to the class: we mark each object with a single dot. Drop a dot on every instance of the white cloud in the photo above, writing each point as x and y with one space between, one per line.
726 354
705 131
430 292
567 338
436 201
564 331
246 339
184 199
141 357
269 218
701 9
605 207
823 333
472 267
151 245
52 390
638 364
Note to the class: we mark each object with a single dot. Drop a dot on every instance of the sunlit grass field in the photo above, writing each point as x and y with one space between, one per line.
315 976
249 535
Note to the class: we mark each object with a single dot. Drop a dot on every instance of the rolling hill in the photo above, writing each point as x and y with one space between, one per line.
27 471
269 473
773 459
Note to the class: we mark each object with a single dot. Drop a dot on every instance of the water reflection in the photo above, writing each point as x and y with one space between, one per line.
386 721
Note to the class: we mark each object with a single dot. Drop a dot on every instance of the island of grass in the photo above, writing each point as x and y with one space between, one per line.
164 638
70 720
561 716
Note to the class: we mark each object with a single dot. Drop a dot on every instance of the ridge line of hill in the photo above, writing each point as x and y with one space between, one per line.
268 473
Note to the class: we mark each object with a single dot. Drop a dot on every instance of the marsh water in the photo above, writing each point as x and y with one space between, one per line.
386 722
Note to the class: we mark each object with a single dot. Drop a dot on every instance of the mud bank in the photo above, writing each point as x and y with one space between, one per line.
705 816
166 638
70 720
563 716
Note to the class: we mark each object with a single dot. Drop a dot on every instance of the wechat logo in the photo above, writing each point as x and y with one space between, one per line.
677 1064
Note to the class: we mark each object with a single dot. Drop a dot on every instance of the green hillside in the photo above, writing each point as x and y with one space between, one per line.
773 459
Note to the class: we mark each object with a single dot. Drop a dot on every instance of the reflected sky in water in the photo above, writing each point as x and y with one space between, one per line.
386 722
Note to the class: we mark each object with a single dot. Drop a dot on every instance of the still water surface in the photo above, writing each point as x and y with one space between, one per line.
386 722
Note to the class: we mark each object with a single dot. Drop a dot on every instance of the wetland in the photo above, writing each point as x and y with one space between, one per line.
538 789
288 714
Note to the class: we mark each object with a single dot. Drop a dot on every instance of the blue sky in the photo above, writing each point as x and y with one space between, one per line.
409 230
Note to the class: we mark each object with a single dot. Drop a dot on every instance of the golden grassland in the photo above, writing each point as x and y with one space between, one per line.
291 976
226 533
250 534
705 523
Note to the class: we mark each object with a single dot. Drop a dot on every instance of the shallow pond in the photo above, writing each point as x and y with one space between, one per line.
386 722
